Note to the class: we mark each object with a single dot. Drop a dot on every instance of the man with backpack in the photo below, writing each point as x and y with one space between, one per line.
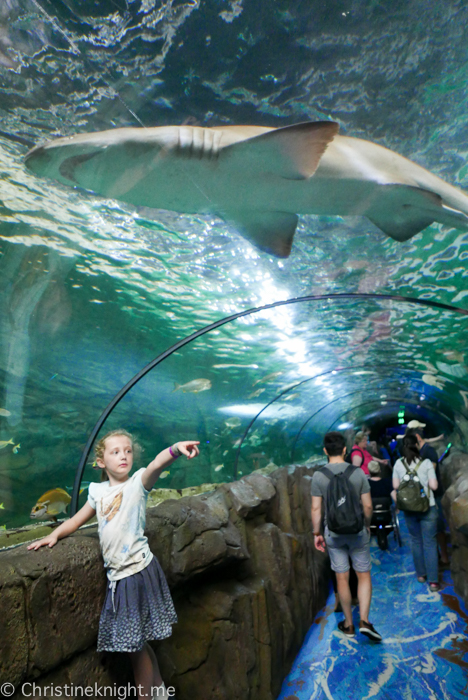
341 493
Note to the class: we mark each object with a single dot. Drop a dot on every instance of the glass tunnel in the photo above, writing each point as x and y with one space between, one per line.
93 289
245 223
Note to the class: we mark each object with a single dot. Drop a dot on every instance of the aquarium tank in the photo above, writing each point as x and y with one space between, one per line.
230 311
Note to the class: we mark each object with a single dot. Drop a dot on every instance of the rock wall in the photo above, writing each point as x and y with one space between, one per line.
245 578
455 503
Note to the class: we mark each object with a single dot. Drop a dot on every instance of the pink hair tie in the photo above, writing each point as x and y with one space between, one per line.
173 455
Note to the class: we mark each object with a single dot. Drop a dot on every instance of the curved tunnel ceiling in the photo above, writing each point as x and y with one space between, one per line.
91 289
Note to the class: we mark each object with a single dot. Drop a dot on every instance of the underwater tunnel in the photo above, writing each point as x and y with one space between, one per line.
180 283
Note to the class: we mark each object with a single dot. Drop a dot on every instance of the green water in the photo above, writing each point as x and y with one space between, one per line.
92 290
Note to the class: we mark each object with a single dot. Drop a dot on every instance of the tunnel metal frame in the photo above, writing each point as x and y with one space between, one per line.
212 326
365 403
322 408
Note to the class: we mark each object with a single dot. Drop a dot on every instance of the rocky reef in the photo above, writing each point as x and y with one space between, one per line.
455 504
245 578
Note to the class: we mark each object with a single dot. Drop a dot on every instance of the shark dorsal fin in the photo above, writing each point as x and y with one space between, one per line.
293 152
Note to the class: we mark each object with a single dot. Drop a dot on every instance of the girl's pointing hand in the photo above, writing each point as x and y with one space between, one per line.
189 448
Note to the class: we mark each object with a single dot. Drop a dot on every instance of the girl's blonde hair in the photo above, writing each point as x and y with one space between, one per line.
100 446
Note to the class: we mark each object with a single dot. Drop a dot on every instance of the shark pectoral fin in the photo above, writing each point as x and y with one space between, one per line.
271 231
402 211
293 152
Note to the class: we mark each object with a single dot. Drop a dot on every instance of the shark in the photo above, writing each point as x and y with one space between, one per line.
257 179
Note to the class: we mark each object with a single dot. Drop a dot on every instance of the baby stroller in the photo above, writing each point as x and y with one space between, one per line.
384 521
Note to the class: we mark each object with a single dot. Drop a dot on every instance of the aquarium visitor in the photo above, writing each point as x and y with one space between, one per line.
422 523
360 456
343 547
138 606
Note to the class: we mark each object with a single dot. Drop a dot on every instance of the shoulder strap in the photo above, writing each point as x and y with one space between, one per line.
418 465
406 466
349 470
357 449
326 472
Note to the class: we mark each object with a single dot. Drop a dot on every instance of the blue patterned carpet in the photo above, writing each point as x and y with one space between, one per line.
424 652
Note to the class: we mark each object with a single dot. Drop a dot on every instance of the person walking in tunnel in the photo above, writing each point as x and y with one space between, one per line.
360 456
138 605
420 515
426 451
350 515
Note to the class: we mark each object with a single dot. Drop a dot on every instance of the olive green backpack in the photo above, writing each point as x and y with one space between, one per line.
411 496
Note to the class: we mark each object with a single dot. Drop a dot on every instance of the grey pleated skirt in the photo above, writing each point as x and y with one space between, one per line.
139 609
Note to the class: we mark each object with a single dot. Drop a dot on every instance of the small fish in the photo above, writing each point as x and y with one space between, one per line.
433 380
164 475
429 366
289 397
464 395
193 387
2 527
4 412
16 448
268 378
4 443
233 422
2 507
219 467
50 504
256 393
453 355
225 452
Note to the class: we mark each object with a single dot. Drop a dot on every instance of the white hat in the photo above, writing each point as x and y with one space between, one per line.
415 424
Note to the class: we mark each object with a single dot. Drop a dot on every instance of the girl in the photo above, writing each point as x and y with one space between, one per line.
422 527
138 604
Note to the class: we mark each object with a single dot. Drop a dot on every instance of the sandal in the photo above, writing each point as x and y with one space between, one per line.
434 586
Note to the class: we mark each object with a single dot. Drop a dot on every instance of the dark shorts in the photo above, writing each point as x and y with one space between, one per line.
139 609
343 547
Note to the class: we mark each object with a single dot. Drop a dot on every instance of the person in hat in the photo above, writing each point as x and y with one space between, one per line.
413 424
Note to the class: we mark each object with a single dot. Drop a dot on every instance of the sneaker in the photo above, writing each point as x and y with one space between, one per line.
434 586
348 631
370 631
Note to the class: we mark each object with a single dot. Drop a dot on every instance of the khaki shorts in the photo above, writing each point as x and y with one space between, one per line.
342 547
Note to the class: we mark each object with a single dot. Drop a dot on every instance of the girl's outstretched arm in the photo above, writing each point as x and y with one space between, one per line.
66 528
189 448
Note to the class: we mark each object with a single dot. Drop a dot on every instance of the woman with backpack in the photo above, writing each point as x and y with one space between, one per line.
414 480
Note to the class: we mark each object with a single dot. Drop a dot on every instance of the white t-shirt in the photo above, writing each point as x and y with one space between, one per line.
121 514
425 472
